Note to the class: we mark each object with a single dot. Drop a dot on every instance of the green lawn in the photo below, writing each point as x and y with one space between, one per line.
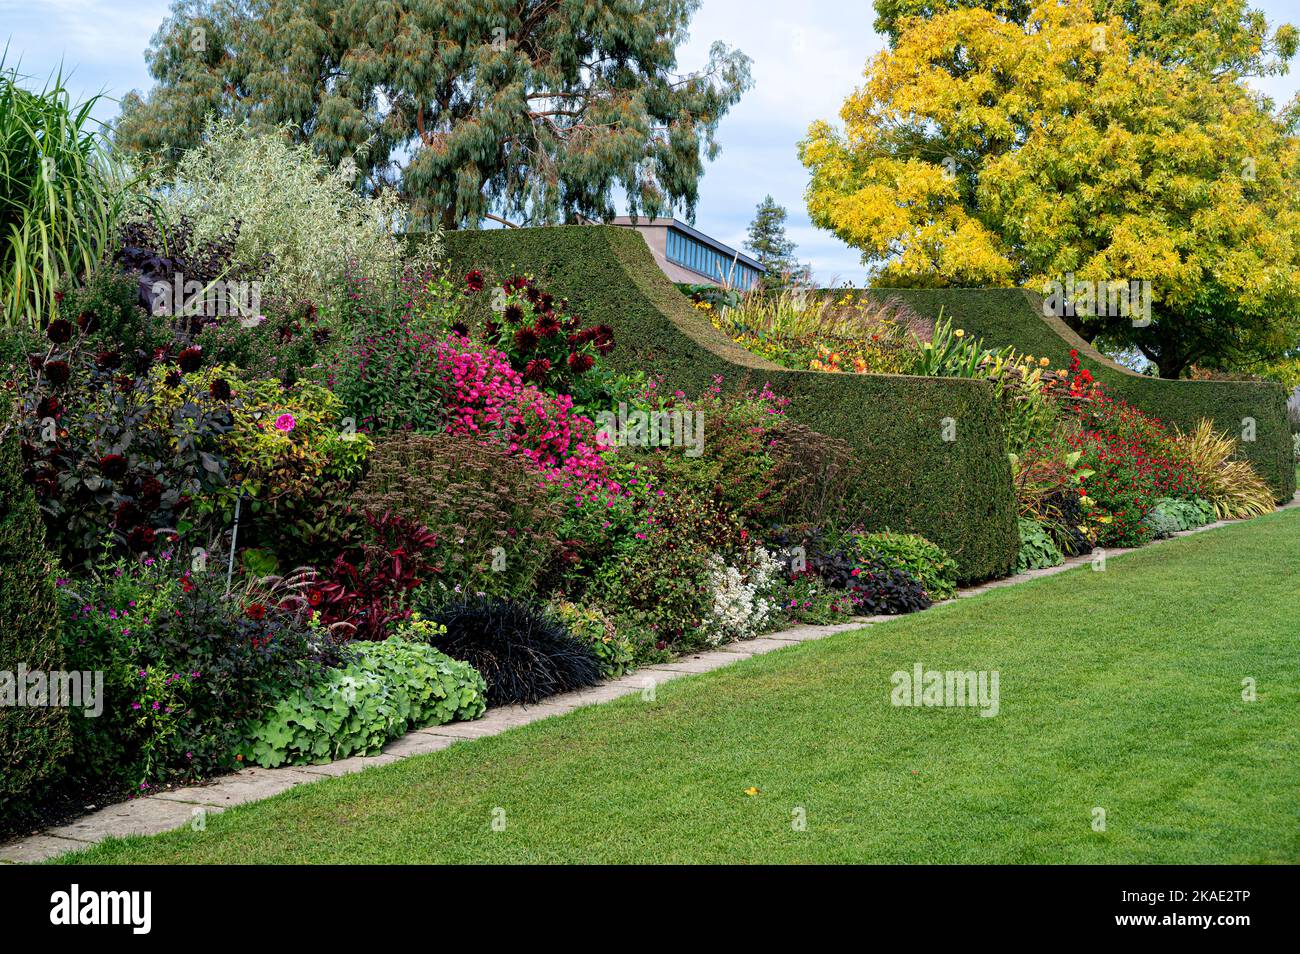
1119 689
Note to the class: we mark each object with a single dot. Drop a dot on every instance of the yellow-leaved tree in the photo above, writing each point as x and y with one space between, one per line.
1088 141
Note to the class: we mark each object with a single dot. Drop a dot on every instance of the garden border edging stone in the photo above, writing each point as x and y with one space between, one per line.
175 808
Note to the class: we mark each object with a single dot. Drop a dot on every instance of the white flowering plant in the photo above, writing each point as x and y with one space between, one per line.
740 595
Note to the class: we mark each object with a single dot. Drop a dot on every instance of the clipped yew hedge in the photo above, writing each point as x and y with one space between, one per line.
956 493
1009 316
33 740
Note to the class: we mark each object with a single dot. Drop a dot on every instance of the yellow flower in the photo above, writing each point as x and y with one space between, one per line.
1044 362
751 790
960 333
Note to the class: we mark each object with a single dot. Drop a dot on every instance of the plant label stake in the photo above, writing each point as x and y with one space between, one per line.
234 537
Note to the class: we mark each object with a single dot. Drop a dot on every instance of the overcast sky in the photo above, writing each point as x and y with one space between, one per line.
808 57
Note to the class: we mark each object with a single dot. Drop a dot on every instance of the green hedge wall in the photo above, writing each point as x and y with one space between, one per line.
33 741
956 493
1009 316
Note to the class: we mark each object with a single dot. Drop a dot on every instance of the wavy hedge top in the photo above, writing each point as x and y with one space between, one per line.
957 493
1009 316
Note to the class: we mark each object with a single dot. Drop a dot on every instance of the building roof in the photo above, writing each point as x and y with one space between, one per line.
680 226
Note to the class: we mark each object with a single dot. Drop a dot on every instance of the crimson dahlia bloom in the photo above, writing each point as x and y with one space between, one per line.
537 370
58 372
191 359
580 363
59 331
113 466
526 339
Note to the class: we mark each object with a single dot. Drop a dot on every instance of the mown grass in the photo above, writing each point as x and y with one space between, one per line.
1120 690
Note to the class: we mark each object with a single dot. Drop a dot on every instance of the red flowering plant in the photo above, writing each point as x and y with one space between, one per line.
1134 461
546 344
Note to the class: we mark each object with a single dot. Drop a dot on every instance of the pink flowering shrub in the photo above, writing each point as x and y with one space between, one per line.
485 396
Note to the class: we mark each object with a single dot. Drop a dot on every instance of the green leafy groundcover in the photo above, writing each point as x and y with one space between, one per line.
1170 515
1252 410
1119 689
955 492
384 689
1037 548
914 555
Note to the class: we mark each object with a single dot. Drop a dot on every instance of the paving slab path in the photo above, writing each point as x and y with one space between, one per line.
175 808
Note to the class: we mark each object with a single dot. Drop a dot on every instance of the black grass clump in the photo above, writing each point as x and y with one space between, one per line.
522 654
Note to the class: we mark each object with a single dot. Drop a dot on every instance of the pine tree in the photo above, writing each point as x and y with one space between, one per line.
768 243
534 110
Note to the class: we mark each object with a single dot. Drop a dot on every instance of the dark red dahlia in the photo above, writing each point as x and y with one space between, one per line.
547 327
88 321
526 339
191 359
150 496
220 389
255 611
126 516
58 372
474 281
604 339
49 407
533 294
580 363
59 331
113 466
141 539
537 370
107 360
513 313
173 379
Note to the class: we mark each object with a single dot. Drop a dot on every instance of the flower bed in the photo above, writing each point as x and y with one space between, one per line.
291 536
